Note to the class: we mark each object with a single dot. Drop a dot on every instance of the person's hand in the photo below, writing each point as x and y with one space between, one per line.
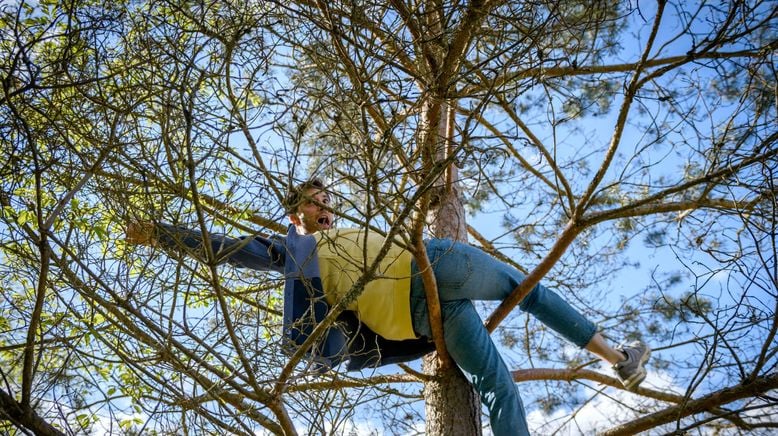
140 232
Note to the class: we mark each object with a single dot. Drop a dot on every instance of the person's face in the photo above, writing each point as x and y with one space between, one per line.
312 215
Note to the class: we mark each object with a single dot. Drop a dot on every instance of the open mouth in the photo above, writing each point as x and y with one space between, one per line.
324 222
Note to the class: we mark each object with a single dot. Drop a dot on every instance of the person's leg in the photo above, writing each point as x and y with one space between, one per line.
465 272
603 350
471 347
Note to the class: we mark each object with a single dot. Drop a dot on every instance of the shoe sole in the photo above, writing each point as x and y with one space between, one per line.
640 375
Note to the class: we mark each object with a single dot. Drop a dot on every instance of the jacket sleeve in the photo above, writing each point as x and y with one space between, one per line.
254 252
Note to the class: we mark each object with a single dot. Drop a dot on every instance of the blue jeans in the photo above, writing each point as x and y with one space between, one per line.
464 273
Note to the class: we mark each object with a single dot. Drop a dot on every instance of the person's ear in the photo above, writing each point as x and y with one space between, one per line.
294 219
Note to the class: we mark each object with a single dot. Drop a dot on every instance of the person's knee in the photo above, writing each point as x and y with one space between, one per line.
531 299
461 322
458 311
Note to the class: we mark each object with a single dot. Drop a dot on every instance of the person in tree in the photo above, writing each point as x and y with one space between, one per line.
388 322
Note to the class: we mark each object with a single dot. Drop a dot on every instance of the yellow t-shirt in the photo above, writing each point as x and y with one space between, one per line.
384 304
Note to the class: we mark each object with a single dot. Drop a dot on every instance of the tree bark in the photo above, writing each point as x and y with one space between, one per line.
452 404
24 416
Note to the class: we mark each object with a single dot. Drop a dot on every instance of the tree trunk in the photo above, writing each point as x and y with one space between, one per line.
452 404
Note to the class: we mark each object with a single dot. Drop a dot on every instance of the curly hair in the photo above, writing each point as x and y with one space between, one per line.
295 195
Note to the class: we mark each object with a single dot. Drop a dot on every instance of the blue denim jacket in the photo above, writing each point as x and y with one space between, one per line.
304 305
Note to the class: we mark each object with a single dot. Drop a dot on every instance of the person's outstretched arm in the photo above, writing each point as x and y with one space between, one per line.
255 252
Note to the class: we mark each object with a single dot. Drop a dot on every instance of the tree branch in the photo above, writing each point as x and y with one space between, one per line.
551 72
715 399
24 416
566 238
